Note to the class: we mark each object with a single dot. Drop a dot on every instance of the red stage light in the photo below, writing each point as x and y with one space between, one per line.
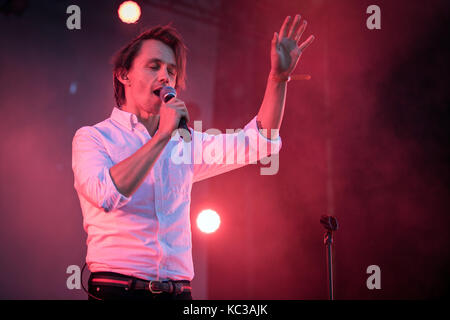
208 221
129 12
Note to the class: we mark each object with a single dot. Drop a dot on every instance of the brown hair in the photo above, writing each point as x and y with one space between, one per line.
123 60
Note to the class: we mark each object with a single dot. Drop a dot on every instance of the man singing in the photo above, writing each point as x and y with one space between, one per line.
135 199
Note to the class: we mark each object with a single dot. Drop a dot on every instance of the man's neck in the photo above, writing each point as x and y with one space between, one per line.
148 119
151 124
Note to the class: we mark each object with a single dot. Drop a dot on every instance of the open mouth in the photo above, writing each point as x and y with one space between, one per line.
156 92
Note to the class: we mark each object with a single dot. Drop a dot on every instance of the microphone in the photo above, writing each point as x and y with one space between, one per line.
168 93
329 222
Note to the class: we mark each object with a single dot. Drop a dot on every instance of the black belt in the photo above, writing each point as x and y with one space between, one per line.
131 283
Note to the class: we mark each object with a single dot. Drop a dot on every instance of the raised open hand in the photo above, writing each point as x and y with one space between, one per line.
286 48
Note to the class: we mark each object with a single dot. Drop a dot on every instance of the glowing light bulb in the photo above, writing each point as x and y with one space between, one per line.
208 221
129 12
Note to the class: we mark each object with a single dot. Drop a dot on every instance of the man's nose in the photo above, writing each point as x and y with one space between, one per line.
163 75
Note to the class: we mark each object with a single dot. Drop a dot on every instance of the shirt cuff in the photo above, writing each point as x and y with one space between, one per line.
275 144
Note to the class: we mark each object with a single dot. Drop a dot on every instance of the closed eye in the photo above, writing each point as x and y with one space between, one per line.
171 72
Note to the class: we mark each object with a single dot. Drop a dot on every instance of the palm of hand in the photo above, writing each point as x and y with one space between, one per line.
285 49
285 56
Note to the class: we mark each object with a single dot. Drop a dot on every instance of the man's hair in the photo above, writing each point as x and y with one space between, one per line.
123 60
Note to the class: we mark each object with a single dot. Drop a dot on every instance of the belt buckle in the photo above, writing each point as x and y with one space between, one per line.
151 289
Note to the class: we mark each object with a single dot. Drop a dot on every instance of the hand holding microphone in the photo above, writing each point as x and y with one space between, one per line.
174 114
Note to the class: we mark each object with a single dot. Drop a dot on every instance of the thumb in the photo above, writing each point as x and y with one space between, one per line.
275 39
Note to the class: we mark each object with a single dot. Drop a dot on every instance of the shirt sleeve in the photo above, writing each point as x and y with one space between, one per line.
217 154
91 163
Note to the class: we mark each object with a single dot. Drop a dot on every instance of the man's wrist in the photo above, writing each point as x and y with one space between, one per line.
278 77
162 137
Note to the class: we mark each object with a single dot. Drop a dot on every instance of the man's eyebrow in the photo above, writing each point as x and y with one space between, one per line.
160 61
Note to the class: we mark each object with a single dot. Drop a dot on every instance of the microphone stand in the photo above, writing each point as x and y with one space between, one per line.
330 224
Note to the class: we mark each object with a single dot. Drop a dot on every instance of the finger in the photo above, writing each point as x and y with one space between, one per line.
301 30
184 113
182 110
284 27
275 39
307 42
175 102
295 24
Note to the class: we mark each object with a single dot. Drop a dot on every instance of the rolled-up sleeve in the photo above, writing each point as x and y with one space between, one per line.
91 163
231 150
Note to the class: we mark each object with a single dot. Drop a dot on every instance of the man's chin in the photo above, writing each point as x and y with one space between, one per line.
153 106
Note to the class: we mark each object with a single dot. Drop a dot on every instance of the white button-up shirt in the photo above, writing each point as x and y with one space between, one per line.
148 235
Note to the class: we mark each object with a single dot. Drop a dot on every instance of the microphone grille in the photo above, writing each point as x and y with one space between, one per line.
167 93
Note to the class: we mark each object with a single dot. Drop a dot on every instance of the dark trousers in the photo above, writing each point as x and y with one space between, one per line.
109 292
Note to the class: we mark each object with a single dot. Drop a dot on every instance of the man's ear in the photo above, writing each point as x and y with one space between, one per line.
122 76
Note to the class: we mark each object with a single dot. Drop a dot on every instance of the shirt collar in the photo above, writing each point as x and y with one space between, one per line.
125 118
